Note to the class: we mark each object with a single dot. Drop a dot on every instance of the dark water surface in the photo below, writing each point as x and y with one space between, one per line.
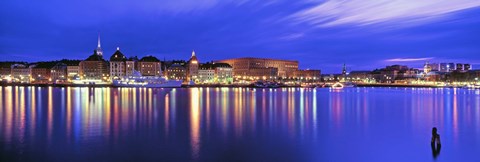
237 124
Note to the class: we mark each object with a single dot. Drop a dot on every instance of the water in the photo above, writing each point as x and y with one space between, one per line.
237 124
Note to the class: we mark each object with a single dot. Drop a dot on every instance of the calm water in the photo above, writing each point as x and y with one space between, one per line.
237 124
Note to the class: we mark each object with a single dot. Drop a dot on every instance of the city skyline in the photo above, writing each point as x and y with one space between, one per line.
321 35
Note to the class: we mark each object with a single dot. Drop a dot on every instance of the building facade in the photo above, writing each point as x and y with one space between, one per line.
94 68
20 73
192 68
58 73
176 72
117 65
307 75
261 67
215 73
149 66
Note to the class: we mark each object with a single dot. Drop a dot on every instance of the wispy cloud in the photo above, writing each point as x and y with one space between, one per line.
409 59
292 36
365 12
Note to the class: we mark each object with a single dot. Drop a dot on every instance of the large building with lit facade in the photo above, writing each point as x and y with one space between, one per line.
94 68
149 66
117 65
261 68
220 73
20 73
58 73
176 72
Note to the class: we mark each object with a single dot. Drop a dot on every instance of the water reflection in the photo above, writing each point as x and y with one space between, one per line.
198 119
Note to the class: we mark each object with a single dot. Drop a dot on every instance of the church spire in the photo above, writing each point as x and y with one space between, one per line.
193 53
98 41
99 48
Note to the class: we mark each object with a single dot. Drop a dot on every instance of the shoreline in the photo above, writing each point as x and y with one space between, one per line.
216 86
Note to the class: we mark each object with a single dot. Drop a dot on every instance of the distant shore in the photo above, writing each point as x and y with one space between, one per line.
216 85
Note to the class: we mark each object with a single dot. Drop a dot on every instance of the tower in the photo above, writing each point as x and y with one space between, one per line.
192 68
344 70
99 48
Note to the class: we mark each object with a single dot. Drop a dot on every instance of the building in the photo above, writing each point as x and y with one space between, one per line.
360 76
467 67
217 73
6 69
443 67
435 66
192 67
451 67
20 73
41 72
73 68
250 67
94 68
176 72
149 66
131 66
427 68
117 65
58 73
307 75
435 76
223 73
459 67
206 74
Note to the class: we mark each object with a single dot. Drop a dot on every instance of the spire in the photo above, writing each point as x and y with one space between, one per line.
99 48
118 48
193 53
98 41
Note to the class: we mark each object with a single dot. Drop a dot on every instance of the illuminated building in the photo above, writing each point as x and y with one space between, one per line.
131 65
58 73
192 67
73 68
360 76
6 68
261 68
215 73
149 66
176 72
307 75
41 71
427 68
117 65
20 73
94 68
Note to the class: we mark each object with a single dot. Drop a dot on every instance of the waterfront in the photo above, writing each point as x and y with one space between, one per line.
241 124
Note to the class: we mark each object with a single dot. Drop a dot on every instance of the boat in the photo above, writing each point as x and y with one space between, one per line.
266 84
339 85
137 80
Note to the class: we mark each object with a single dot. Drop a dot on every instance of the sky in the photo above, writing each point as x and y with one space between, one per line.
320 34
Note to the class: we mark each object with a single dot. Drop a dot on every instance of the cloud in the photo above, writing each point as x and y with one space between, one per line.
366 12
409 59
292 36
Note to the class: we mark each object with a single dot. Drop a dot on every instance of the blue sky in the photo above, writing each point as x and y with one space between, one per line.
321 34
